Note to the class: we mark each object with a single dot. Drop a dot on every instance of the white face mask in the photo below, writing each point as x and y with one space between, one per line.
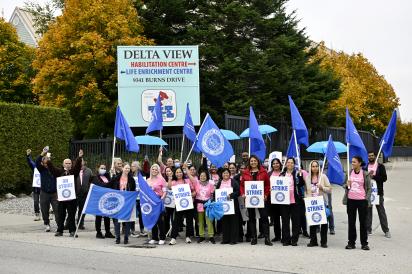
102 171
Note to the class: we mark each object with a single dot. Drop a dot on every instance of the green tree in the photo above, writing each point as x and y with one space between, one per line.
43 14
251 53
76 61
16 71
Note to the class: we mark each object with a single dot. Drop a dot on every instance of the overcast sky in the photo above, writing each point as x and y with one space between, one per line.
381 30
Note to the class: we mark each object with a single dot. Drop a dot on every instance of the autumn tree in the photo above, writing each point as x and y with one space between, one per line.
76 61
369 97
403 134
16 71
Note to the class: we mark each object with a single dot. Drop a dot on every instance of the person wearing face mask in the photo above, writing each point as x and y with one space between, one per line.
275 215
102 179
82 189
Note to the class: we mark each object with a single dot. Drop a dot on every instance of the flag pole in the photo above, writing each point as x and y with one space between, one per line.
183 145
114 147
197 136
160 134
347 156
84 208
323 168
297 149
377 156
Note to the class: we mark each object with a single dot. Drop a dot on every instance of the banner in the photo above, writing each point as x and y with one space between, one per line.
144 72
183 197
279 190
374 195
222 196
65 188
315 211
169 199
36 178
254 194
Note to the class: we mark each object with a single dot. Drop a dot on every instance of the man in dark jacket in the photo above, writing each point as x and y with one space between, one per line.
82 188
378 173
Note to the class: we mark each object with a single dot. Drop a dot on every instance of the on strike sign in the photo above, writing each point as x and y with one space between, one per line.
183 197
315 211
65 188
254 194
279 190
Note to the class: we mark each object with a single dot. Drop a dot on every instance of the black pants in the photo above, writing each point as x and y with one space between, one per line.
381 213
264 221
70 207
290 212
188 214
36 201
47 199
127 226
81 199
139 213
230 228
168 218
158 231
276 217
360 206
323 234
98 224
302 218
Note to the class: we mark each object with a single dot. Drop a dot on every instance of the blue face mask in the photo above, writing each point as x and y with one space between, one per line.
177 165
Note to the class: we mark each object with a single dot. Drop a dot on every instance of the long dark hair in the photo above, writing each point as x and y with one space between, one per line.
174 173
257 159
279 162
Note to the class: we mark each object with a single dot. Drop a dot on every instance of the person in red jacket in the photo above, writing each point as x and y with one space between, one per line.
256 172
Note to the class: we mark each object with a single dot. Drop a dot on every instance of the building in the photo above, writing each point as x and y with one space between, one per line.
23 22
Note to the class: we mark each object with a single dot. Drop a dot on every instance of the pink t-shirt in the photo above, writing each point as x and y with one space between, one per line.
158 185
372 169
215 178
225 184
204 192
275 173
185 181
357 189
304 174
291 188
123 183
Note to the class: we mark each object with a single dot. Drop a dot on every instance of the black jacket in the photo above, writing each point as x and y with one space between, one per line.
380 177
99 182
131 183
82 187
299 184
236 189
48 180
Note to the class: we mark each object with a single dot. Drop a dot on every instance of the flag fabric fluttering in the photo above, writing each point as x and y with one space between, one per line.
302 134
257 144
356 146
389 136
157 117
188 128
292 152
151 206
335 169
122 131
211 142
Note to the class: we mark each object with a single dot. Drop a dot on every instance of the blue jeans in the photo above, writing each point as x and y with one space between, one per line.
331 220
127 227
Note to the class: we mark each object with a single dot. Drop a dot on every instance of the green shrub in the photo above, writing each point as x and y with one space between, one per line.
29 126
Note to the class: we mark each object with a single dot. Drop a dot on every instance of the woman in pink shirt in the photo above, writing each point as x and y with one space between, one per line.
274 208
169 211
357 198
158 185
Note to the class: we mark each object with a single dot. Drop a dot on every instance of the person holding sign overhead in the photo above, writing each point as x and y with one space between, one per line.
357 198
317 185
230 222
256 172
291 211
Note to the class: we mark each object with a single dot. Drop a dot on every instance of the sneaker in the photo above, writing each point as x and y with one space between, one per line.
161 242
365 247
212 240
37 217
142 233
152 242
201 239
332 232
135 234
109 235
47 228
388 235
350 246
172 241
188 241
58 234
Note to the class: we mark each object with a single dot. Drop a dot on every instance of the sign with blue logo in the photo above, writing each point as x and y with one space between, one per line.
254 194
279 190
222 196
144 72
65 188
36 178
374 194
183 197
315 211
169 200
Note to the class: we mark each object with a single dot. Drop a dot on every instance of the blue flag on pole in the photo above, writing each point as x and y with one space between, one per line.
109 202
389 136
291 152
189 128
211 142
257 144
335 170
356 146
151 206
122 131
157 117
302 135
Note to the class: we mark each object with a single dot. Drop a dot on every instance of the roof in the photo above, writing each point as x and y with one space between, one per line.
23 21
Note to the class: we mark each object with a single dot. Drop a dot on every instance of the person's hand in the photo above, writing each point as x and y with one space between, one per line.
45 150
349 184
28 152
81 153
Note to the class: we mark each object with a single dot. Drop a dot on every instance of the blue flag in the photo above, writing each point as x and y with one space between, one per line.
189 128
356 146
122 131
389 136
211 142
335 170
257 144
107 202
157 117
292 152
298 124
151 206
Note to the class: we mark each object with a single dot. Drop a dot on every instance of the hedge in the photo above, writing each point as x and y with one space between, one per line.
29 126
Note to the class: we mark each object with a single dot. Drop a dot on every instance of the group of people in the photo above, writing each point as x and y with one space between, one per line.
288 221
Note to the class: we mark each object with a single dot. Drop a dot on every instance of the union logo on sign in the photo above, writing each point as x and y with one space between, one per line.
213 142
167 200
146 208
254 200
111 203
66 193
184 203
316 217
226 207
280 197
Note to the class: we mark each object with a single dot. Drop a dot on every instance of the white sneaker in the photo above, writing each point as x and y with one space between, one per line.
388 235
188 241
152 242
172 241
161 242
135 235
37 217
143 234
47 228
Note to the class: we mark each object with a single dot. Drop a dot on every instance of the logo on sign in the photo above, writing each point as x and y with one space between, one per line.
66 193
372 197
254 200
316 217
167 200
280 197
111 203
184 203
146 208
226 207
213 142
